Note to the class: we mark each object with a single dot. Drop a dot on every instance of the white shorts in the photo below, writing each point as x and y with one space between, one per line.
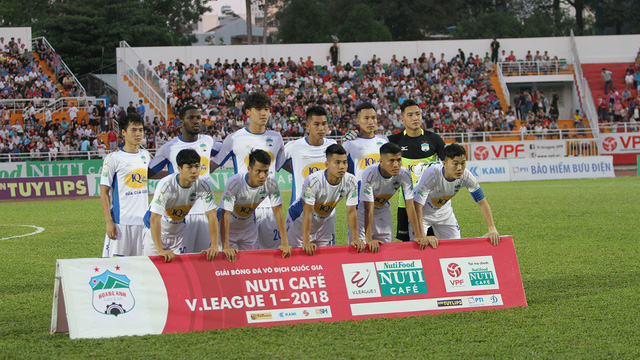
323 236
128 241
173 243
268 233
244 236
196 236
444 228
381 229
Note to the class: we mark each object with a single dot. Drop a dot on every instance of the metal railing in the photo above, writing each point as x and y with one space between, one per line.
556 134
61 104
46 43
528 68
621 127
503 83
586 98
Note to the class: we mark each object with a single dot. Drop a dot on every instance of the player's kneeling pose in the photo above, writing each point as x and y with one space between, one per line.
437 185
174 197
242 195
307 219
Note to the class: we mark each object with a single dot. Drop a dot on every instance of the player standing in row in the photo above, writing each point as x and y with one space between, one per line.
419 147
365 149
379 183
240 144
165 227
307 219
441 182
123 191
197 236
242 194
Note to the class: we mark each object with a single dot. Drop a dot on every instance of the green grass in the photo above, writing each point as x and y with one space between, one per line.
577 245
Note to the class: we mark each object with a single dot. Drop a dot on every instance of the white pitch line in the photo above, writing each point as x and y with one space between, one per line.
38 231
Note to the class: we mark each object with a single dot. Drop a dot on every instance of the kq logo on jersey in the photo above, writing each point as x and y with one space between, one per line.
204 165
244 211
178 213
441 201
136 179
368 159
469 273
311 168
324 209
111 293
381 200
246 158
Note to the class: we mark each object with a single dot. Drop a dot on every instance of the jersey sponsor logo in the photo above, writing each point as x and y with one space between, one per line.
204 165
311 168
246 158
245 210
136 178
111 293
368 159
178 213
441 201
325 209
381 200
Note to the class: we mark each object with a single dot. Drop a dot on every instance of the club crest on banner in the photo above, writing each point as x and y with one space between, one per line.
112 294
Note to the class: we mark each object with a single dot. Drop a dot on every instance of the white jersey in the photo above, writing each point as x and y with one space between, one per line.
305 159
323 196
378 189
241 199
239 145
174 203
362 152
166 156
434 191
126 174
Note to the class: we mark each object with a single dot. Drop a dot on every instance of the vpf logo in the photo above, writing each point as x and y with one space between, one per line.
359 279
454 270
609 143
111 293
481 153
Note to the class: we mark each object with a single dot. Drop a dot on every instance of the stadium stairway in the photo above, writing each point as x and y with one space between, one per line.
495 83
592 73
50 74
151 109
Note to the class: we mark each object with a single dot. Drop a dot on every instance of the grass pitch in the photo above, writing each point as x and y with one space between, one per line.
577 244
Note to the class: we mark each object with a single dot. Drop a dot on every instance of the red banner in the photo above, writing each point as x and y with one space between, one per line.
262 289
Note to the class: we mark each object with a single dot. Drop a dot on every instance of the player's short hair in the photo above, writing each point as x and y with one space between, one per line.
125 120
256 100
260 156
315 111
187 157
407 103
390 148
335 149
364 105
454 150
183 111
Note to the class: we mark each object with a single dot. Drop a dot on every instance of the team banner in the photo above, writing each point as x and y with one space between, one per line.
619 143
43 187
518 149
144 295
561 168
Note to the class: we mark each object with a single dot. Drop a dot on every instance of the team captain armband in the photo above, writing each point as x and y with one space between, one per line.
478 194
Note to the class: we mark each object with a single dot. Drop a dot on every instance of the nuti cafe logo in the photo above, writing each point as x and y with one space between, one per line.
111 293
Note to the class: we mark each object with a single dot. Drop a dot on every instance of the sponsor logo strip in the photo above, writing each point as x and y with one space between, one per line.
303 313
402 306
